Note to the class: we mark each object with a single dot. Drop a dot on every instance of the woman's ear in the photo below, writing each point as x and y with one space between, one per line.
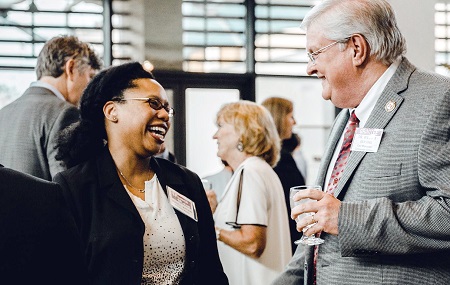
360 48
110 111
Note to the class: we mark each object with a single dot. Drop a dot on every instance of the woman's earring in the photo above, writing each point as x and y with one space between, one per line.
240 146
114 119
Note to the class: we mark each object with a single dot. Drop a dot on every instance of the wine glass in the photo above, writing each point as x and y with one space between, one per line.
312 239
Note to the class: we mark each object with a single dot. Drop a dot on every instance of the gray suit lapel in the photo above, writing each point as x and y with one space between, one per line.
336 131
379 117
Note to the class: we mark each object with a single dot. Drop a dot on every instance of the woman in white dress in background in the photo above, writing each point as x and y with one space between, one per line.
257 248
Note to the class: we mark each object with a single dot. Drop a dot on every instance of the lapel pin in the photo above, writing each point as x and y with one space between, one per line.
390 106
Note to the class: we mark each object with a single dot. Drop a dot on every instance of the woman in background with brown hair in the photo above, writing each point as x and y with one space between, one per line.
282 111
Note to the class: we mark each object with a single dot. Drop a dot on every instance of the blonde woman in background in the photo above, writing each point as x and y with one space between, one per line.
257 248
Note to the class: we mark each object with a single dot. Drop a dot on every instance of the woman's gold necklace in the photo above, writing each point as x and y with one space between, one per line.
129 184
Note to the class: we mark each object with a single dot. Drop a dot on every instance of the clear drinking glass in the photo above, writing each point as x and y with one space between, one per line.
308 240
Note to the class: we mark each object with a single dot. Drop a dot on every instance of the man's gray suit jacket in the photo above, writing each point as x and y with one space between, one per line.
394 221
29 129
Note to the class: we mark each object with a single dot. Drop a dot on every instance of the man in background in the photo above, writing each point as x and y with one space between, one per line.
385 210
216 184
218 181
30 125
39 243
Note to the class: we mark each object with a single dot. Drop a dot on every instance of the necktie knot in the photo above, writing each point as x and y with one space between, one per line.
353 119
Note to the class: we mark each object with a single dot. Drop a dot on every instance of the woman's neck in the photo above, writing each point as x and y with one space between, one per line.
133 171
236 160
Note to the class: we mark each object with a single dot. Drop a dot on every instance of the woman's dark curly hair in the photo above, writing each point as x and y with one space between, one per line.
84 139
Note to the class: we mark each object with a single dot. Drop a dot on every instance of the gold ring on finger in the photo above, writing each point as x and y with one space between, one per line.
313 221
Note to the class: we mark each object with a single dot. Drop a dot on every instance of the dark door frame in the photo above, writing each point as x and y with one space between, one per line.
179 81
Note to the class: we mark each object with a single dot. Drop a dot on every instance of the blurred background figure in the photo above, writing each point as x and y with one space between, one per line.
39 243
251 217
166 154
293 146
282 111
143 220
216 184
219 180
30 125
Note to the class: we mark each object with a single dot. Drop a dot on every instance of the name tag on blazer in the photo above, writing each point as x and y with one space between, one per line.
367 140
182 203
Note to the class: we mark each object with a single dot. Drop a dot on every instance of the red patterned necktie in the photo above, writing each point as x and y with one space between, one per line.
344 153
339 167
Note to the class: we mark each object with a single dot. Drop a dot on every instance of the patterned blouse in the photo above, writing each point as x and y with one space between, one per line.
164 247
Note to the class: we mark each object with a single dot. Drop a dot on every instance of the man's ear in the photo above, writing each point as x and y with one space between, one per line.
110 111
69 68
360 48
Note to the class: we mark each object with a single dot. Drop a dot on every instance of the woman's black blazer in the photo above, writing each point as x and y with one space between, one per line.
112 230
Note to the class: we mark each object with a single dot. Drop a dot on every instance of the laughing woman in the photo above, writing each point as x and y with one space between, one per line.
142 220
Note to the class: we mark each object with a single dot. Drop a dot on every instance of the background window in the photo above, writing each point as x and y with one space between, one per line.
442 41
26 25
202 105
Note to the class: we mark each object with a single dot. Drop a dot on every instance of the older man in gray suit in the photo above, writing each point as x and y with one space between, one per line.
30 125
385 218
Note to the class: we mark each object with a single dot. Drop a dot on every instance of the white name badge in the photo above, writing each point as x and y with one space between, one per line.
182 203
367 140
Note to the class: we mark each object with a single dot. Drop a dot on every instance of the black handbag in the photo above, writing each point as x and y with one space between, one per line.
234 224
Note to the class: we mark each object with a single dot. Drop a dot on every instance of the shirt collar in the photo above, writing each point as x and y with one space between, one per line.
368 103
49 87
